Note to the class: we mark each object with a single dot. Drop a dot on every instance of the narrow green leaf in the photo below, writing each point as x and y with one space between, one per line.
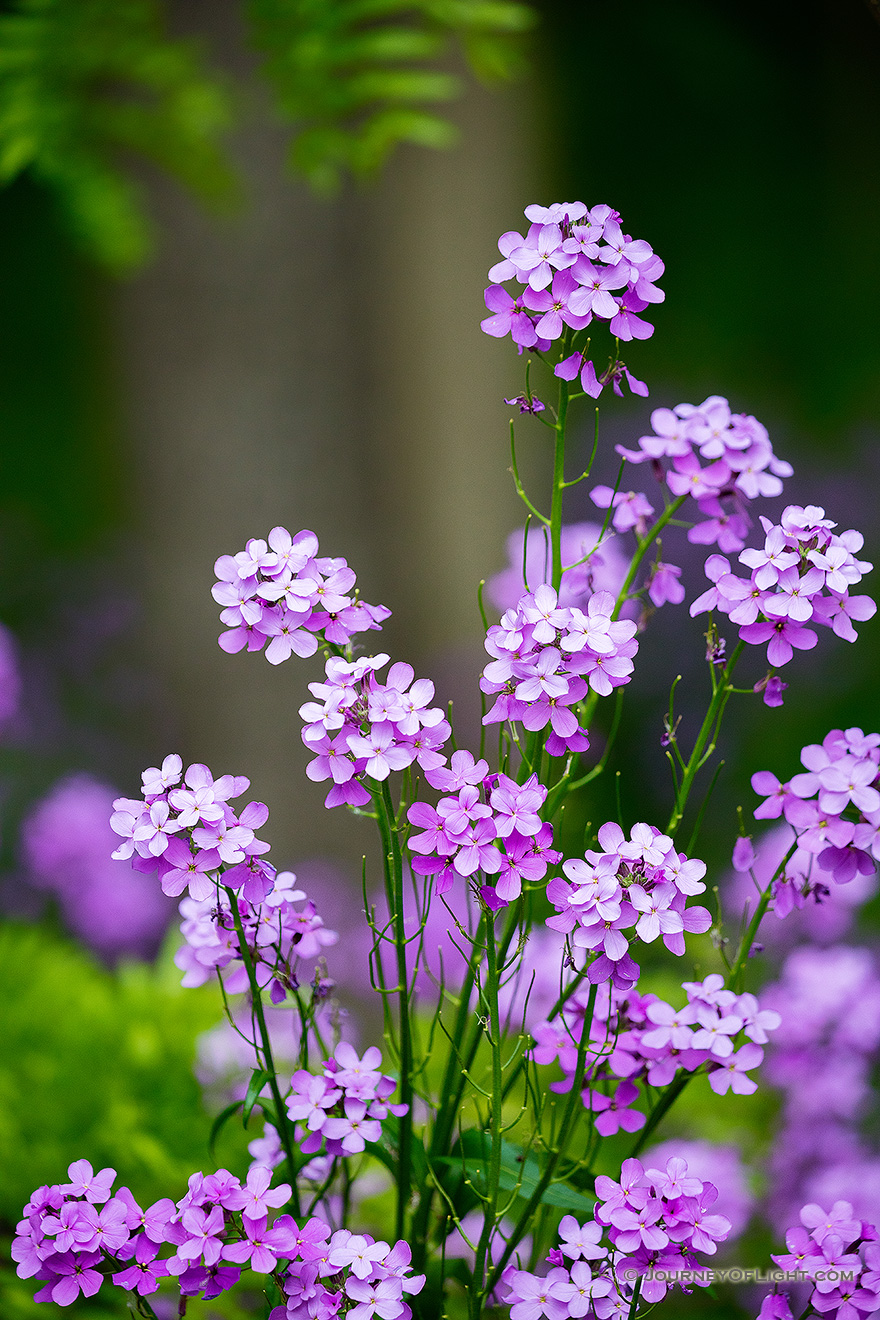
219 1123
259 1078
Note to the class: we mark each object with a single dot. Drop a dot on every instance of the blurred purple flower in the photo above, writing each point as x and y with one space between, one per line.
66 845
10 678
605 569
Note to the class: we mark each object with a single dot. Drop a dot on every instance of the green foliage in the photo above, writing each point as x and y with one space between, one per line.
86 83
105 1075
82 81
356 76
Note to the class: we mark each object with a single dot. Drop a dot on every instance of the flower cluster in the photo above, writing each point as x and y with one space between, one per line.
639 882
360 726
833 808
738 465
575 265
545 659
802 574
488 824
348 1273
75 1234
635 1037
840 1253
280 935
652 1220
344 1105
659 1215
282 590
188 832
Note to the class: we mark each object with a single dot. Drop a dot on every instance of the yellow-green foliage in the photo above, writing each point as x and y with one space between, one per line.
98 1066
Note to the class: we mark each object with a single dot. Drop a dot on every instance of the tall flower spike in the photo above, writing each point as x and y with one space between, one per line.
574 267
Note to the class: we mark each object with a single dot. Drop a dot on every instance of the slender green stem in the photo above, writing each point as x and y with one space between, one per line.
558 486
645 543
675 1088
141 1306
462 1056
325 1186
493 1183
660 1110
457 1076
748 938
444 1123
566 785
557 1008
634 1304
520 488
393 868
257 999
701 752
566 1127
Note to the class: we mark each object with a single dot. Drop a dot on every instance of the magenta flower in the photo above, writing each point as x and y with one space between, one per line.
382 1298
613 1112
187 870
203 1231
354 1128
72 1276
784 638
84 1182
258 1196
156 827
626 324
533 1298
731 1075
146 1270
510 317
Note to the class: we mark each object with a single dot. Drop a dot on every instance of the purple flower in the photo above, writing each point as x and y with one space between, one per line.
84 1182
731 1075
146 1270
664 585
531 404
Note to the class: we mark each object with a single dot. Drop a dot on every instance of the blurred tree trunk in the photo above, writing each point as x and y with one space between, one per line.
319 365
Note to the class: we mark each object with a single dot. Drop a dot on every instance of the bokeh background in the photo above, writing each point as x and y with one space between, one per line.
316 361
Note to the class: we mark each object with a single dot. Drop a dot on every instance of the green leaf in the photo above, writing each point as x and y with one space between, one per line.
259 1078
517 1172
80 78
274 1296
353 77
219 1124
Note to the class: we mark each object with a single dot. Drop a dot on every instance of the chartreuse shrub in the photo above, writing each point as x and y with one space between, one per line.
101 1058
